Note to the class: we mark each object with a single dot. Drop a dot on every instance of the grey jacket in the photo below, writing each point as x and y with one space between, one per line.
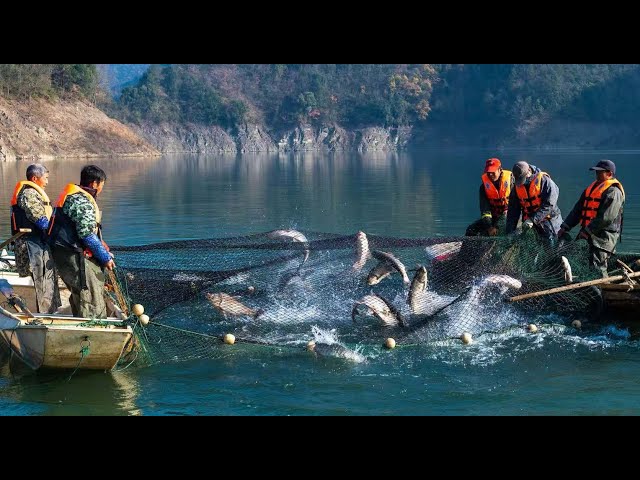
549 191
604 229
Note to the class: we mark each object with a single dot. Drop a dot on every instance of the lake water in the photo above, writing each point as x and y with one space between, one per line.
417 194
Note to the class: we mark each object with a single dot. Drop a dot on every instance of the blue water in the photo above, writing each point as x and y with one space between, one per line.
559 371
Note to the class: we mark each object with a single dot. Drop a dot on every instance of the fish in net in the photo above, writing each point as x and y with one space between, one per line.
275 288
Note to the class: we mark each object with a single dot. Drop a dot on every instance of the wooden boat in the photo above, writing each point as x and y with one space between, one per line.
63 341
621 300
60 340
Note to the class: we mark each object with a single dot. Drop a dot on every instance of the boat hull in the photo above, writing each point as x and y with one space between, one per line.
60 342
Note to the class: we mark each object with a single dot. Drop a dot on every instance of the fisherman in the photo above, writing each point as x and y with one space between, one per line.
31 208
599 212
79 252
535 197
495 189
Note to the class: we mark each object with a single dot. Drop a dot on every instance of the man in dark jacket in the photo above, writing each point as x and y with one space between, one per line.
535 198
599 213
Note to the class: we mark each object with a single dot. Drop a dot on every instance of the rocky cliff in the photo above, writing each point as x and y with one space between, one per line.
40 129
257 138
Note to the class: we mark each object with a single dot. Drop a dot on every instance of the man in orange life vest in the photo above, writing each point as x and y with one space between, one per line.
75 236
494 194
599 213
31 208
536 199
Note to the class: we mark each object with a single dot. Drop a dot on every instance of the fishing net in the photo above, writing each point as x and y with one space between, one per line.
286 288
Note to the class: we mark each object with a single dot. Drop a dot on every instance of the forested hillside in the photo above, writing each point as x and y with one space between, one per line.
521 96
49 110
268 107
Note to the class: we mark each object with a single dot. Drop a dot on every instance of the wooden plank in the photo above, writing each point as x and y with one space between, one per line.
623 287
573 286
13 238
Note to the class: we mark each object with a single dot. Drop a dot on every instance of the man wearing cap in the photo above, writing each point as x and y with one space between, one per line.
494 194
535 197
599 213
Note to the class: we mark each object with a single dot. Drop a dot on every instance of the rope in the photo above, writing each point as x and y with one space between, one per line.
84 351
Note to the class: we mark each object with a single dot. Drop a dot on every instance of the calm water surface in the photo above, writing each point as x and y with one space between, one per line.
415 194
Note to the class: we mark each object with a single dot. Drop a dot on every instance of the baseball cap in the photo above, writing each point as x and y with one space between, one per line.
520 171
492 165
605 165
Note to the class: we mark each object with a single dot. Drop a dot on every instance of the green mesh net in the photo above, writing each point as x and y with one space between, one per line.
283 289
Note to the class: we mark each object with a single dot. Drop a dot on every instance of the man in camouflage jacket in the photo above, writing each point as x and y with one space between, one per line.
76 239
31 208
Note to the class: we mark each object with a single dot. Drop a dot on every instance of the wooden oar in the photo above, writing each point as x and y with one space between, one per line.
14 300
118 292
574 286
13 238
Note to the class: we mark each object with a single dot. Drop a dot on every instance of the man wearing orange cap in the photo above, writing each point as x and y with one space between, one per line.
494 200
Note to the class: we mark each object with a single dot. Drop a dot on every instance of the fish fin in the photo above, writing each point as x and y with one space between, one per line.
354 312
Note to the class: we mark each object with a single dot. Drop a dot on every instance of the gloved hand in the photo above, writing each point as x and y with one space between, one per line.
527 225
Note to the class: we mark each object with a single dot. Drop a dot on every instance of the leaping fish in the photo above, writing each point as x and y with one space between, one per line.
392 260
335 350
228 305
378 273
505 280
416 292
381 308
294 236
362 251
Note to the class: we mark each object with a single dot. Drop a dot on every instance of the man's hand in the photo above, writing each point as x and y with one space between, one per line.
492 231
527 224
110 265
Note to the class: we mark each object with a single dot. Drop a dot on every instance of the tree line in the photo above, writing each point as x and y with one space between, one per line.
25 80
519 96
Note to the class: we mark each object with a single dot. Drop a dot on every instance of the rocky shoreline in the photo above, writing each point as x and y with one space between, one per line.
42 130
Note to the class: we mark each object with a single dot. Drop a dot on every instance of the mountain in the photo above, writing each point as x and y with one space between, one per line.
119 76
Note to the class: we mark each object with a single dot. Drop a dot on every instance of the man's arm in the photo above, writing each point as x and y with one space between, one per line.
609 210
485 206
31 202
549 192
83 214
513 214
574 215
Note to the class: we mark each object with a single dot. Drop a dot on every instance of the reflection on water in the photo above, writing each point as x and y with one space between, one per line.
58 393
410 194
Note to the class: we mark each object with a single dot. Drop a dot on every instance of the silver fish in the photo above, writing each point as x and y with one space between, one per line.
416 292
391 259
291 235
381 308
505 280
566 267
335 350
441 251
378 273
291 278
362 251
228 305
